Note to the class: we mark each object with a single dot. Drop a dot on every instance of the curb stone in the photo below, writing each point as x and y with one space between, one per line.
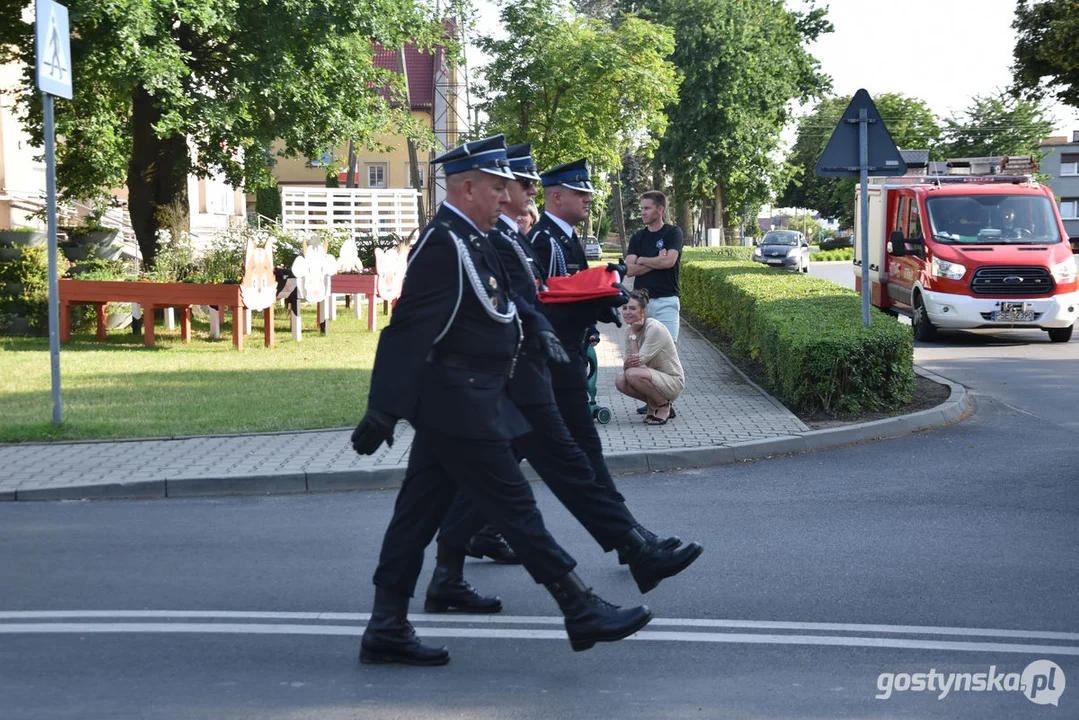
955 408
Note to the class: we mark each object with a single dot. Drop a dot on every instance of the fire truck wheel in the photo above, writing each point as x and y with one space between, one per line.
924 330
1060 334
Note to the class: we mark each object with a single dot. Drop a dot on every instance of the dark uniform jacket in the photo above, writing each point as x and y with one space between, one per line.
531 383
412 377
558 255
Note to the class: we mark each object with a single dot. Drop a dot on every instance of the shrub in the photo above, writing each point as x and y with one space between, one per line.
366 246
268 202
96 268
833 255
806 333
732 252
24 291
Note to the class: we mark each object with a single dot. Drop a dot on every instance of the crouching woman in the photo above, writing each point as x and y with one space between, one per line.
653 372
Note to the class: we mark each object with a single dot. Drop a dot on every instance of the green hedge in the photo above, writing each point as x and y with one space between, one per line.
833 255
806 333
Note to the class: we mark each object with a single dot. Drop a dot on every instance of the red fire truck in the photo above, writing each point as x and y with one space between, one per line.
963 251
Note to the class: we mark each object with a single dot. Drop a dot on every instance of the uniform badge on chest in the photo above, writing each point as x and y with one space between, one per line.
493 283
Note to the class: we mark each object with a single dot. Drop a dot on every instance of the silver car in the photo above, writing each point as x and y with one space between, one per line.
592 249
783 249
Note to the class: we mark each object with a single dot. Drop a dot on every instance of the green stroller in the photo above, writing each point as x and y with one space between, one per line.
600 413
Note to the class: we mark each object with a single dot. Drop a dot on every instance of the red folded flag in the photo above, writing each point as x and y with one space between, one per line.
591 284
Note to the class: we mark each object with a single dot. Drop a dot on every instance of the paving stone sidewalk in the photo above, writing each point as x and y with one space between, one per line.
718 409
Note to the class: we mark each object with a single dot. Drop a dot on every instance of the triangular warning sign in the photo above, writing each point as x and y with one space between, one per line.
841 154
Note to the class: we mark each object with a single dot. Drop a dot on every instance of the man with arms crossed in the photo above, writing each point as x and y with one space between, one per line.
653 259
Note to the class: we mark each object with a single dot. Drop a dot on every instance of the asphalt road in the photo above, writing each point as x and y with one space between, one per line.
827 580
972 526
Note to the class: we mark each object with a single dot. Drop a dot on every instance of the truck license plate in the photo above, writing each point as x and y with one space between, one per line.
1014 312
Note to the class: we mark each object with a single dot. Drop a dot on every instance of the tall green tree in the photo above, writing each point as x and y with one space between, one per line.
998 124
745 62
1046 60
576 87
165 89
910 122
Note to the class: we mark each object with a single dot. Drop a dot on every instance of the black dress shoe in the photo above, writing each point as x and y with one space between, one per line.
491 545
591 619
650 564
390 638
448 592
663 543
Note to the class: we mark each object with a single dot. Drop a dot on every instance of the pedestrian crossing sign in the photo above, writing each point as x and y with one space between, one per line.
53 48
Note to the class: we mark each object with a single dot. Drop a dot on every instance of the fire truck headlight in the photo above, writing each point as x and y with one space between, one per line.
1064 272
949 270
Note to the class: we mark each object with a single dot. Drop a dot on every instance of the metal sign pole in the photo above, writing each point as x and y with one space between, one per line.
863 165
54 284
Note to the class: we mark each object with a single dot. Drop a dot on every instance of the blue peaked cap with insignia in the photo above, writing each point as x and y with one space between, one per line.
573 175
521 163
487 155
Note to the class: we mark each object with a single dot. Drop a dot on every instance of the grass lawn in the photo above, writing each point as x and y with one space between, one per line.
123 389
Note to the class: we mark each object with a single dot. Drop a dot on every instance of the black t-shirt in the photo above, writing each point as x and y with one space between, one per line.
645 243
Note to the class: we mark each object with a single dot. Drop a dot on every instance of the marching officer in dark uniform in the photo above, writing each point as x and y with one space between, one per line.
567 193
443 364
549 448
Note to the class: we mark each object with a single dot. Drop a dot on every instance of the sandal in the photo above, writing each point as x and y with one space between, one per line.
651 419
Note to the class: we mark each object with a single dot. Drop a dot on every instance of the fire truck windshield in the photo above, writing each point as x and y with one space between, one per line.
993 220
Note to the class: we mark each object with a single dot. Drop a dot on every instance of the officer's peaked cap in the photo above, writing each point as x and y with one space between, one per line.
572 174
521 163
487 155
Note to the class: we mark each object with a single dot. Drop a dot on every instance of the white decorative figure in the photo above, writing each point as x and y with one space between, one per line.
258 289
313 270
349 262
390 268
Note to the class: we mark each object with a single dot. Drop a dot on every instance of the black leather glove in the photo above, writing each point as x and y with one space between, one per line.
375 428
552 347
618 267
616 301
609 315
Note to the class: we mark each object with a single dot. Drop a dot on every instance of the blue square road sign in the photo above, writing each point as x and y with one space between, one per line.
53 49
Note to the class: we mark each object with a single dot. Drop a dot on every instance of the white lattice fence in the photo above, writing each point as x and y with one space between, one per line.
359 211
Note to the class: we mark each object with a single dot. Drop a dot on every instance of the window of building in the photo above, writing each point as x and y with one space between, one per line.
322 160
1069 208
220 199
377 175
408 174
1069 164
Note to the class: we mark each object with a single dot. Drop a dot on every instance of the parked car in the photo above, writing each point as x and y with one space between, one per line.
592 249
783 248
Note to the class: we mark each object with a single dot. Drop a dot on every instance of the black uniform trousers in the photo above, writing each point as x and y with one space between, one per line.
566 469
577 415
487 473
